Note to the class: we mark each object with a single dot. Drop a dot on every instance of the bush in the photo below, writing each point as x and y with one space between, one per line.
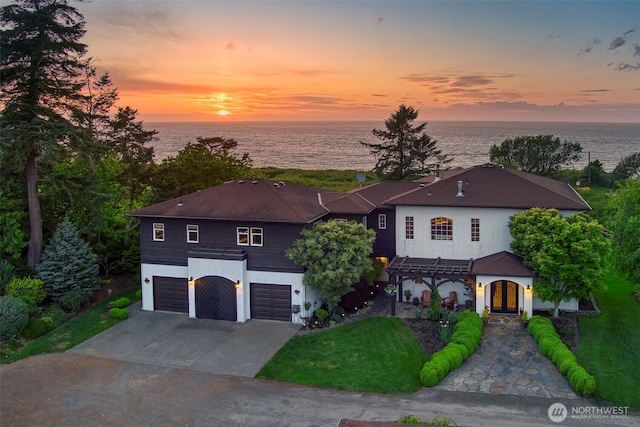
454 356
14 315
138 294
7 272
559 355
27 287
37 327
121 302
547 344
462 349
429 376
566 364
55 315
119 313
434 311
73 300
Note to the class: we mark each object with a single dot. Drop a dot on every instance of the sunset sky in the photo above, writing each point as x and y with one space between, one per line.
354 60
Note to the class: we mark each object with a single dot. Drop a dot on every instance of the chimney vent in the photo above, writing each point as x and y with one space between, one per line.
460 190
437 173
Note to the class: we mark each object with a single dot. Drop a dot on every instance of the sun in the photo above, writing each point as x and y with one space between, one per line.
222 113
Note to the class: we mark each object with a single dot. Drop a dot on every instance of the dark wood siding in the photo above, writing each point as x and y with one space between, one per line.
277 238
170 294
385 243
271 302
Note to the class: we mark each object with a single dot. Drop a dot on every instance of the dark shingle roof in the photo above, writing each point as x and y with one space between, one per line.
377 194
491 186
501 264
247 199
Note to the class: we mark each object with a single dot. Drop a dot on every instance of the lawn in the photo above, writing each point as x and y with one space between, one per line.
376 355
609 347
71 333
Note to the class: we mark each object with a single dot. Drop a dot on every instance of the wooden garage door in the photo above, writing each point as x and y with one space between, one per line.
170 294
271 302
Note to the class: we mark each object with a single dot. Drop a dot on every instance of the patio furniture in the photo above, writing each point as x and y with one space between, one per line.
426 298
451 302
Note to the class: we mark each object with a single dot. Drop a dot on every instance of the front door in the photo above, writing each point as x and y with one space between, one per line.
216 298
504 297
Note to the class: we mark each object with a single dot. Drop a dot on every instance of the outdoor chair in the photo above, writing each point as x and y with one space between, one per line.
451 302
426 298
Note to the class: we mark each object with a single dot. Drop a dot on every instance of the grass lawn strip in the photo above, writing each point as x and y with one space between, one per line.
376 355
609 347
71 333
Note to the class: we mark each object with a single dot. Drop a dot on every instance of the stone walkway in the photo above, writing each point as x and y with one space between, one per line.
508 362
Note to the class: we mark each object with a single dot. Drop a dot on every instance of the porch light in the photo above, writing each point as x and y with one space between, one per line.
191 281
146 280
479 285
238 285
528 287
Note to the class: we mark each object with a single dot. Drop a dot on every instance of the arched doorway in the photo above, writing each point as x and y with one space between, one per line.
504 297
216 298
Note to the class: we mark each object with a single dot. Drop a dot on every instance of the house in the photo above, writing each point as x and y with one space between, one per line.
219 253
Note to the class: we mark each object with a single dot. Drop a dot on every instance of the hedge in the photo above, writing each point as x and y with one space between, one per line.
121 302
551 346
119 313
463 342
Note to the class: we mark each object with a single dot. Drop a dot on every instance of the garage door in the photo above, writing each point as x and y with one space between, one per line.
170 294
271 302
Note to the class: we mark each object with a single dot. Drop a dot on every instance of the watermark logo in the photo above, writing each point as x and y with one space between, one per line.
557 412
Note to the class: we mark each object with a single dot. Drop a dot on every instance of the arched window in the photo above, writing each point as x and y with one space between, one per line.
441 229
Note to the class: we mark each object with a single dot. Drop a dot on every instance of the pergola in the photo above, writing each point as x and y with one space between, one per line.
432 271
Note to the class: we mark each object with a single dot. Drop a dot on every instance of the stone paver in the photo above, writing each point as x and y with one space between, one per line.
508 362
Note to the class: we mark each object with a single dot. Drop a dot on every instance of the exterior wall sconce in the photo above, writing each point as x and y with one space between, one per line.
191 281
146 280
297 291
238 285
479 285
528 288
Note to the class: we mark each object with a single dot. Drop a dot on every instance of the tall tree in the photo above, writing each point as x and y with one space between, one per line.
41 70
540 155
629 167
625 227
568 254
405 151
336 255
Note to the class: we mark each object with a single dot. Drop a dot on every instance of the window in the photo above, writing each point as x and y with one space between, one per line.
475 229
158 232
382 221
256 236
192 234
243 236
364 222
441 229
408 227
249 236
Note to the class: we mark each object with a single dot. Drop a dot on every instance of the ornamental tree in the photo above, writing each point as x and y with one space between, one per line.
540 155
336 255
568 254
68 264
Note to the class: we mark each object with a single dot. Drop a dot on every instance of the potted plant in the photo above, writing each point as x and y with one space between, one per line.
407 295
390 290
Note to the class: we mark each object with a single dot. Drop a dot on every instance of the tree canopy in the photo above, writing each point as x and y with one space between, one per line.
629 167
405 151
568 254
540 155
336 255
625 227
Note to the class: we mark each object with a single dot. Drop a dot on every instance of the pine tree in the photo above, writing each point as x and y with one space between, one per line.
68 264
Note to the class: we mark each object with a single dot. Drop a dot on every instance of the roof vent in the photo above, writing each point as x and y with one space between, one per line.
180 203
254 182
241 181
281 183
275 184
460 190
437 173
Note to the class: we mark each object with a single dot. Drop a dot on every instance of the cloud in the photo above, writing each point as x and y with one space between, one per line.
230 46
616 43
595 90
380 19
145 20
624 66
379 94
589 47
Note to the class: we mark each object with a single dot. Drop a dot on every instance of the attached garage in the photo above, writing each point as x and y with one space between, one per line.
170 294
271 302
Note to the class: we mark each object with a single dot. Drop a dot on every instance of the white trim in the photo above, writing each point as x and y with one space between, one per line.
197 231
159 229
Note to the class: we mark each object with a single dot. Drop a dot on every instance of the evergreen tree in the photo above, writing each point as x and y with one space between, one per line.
405 151
68 264
41 82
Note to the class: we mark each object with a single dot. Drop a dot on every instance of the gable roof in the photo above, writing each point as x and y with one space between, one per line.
246 199
491 186
377 194
345 203
501 264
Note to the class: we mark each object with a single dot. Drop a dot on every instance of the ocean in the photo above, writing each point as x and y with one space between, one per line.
336 144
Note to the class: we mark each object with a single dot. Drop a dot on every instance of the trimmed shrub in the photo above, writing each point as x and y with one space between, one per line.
27 287
37 327
118 313
560 354
121 302
464 351
73 300
454 356
14 315
566 364
138 294
429 375
547 343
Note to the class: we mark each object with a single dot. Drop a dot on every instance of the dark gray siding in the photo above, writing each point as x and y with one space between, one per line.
277 238
385 243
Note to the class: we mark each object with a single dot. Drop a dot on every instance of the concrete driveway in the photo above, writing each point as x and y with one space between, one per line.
175 340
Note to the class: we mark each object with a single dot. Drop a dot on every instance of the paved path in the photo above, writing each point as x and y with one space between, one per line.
508 362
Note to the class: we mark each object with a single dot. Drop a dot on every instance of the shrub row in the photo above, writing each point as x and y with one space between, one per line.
464 341
552 347
120 302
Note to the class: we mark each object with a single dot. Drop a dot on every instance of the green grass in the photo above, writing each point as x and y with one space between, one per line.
335 180
376 355
609 347
71 333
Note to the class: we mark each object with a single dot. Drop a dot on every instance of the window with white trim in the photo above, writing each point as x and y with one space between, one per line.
408 227
192 233
441 228
243 236
382 221
475 229
256 236
158 232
